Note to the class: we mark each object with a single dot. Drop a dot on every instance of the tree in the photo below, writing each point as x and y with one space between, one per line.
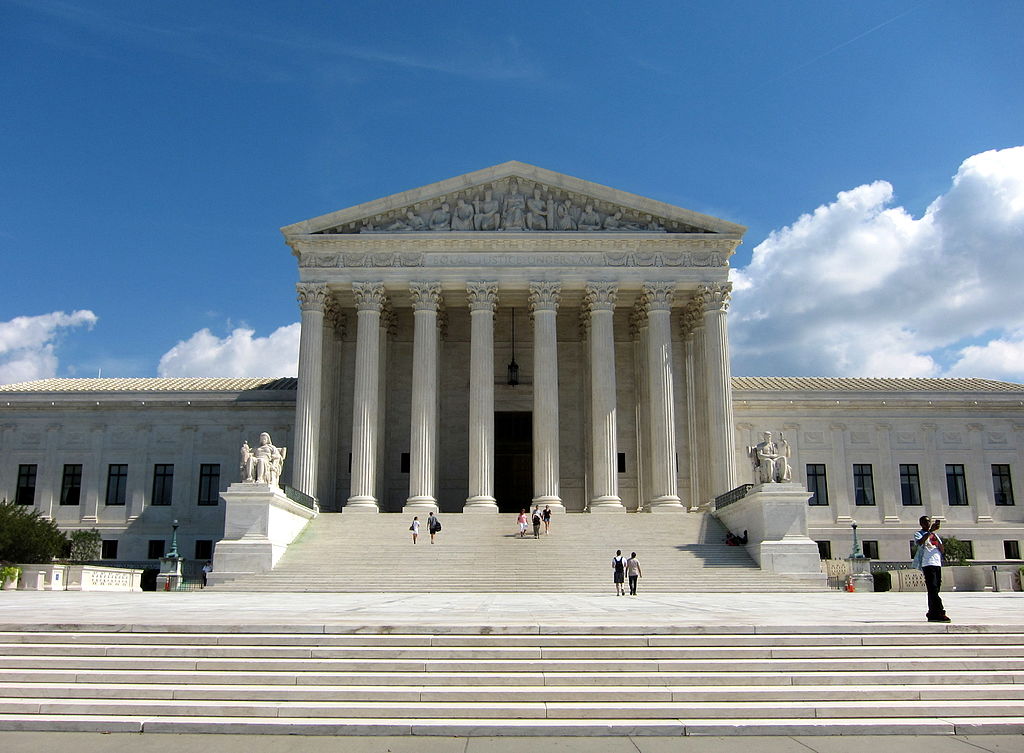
85 545
955 551
28 537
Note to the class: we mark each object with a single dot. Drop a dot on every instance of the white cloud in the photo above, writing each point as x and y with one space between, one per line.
28 344
237 355
861 288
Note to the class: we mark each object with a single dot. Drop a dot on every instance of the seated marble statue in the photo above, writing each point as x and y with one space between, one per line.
513 209
590 220
770 460
563 216
536 212
441 218
264 464
462 219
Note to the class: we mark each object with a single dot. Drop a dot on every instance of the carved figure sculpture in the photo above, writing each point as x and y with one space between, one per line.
513 209
441 218
486 217
414 221
563 217
536 212
770 459
462 219
590 220
264 464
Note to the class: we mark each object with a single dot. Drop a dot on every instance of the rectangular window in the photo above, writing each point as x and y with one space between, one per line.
204 549
1011 550
1002 489
163 483
817 484
622 462
968 549
209 483
824 549
863 485
26 492
108 549
910 485
117 484
71 485
870 549
156 549
956 485
404 463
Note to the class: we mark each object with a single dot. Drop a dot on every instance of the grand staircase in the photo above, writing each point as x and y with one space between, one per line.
341 552
861 679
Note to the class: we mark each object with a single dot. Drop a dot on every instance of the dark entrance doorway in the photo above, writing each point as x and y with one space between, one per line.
513 460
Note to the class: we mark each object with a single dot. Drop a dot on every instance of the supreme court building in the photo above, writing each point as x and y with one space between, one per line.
510 337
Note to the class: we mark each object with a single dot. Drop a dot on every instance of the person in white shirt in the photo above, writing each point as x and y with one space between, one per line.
928 558
415 528
633 572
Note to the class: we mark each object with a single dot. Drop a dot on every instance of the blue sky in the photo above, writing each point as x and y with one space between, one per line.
149 152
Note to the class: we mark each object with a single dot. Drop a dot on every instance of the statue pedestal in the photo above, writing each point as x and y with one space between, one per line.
259 524
775 519
169 577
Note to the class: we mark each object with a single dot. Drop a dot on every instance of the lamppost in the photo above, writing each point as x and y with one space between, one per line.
860 566
169 578
174 539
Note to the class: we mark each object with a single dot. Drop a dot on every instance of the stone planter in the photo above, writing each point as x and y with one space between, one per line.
11 584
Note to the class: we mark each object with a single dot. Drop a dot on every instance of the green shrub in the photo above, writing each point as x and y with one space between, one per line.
954 551
883 581
26 536
85 545
10 572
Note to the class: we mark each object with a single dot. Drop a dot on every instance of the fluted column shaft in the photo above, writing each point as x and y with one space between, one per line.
600 302
369 298
312 301
423 430
689 319
483 297
664 491
715 299
544 300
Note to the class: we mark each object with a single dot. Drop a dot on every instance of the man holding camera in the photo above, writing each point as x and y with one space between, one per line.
928 558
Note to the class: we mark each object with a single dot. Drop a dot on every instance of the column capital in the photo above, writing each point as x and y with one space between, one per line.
637 320
600 296
482 295
715 296
545 296
313 296
370 296
334 316
426 296
690 319
657 296
388 319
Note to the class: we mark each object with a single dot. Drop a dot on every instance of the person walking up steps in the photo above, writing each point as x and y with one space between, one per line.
546 515
415 528
619 572
633 572
433 526
536 523
521 520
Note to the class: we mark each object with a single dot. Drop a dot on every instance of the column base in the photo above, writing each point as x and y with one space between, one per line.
415 505
606 504
482 504
668 503
361 504
555 503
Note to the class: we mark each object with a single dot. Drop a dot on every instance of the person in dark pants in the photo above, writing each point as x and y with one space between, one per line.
928 558
619 572
633 572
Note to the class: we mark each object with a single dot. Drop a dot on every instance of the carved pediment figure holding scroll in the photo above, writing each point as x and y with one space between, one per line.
563 217
441 218
771 460
536 212
590 220
486 217
264 464
513 209
462 219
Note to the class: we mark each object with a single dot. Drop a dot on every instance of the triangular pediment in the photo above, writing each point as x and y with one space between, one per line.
513 197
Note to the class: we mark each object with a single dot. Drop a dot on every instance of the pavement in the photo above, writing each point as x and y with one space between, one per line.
316 612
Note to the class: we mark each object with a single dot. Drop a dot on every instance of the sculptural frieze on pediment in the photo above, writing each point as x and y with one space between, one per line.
513 205
520 259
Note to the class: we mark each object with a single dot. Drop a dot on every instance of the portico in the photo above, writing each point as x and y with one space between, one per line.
407 308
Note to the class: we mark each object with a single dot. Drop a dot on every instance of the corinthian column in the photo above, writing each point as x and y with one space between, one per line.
426 296
657 301
690 321
312 300
718 378
544 299
600 303
369 297
483 297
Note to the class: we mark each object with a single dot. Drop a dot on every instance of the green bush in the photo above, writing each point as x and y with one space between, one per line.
9 572
26 536
883 581
85 545
954 551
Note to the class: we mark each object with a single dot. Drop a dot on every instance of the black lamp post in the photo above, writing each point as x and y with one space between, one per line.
513 367
174 539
